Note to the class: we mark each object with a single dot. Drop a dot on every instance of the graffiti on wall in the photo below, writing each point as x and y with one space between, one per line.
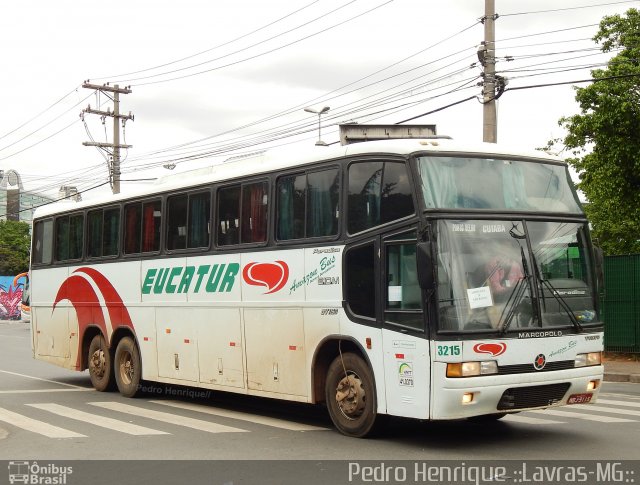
11 297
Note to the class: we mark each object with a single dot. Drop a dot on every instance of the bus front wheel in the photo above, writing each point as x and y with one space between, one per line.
350 395
127 367
99 363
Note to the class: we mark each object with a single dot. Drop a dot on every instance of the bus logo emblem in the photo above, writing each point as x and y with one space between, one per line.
272 276
494 349
539 362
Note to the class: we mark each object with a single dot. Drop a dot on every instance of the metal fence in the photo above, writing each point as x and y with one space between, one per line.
621 303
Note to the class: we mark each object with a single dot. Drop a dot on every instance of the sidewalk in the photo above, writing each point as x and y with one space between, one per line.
622 368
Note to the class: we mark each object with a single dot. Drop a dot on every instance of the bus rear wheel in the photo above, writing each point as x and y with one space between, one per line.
127 367
100 366
350 396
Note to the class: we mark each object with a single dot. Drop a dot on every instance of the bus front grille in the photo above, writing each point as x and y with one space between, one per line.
532 396
525 368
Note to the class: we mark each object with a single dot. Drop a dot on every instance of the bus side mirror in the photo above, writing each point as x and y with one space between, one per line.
426 270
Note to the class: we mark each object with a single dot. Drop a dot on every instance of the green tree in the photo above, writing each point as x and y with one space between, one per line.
14 247
605 137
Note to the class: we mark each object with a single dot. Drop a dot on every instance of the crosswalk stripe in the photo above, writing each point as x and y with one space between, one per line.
34 391
168 418
607 409
224 413
516 418
41 379
588 417
36 426
102 421
619 403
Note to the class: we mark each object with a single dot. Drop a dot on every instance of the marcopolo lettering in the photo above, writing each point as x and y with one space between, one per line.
209 278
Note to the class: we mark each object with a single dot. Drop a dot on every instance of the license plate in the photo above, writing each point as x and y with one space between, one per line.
579 398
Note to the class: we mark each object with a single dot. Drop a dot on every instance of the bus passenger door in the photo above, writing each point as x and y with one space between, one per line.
405 343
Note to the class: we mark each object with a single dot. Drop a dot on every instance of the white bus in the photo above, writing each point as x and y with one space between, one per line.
420 278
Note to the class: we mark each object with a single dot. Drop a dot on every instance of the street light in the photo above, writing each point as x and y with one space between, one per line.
319 143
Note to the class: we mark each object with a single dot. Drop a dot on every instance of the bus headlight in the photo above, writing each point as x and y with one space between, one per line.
592 358
470 369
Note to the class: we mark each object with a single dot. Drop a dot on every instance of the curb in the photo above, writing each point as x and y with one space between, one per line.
621 377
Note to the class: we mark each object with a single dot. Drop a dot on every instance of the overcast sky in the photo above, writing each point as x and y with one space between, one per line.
201 70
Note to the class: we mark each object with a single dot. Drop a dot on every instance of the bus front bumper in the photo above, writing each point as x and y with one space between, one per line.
456 398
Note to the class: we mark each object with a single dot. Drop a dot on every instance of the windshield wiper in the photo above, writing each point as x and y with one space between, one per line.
556 295
516 295
563 304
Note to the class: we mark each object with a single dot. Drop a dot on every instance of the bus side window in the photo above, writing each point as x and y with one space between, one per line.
43 242
151 217
360 280
132 228
403 304
308 205
142 227
199 220
177 222
291 206
254 212
379 192
110 232
69 237
228 215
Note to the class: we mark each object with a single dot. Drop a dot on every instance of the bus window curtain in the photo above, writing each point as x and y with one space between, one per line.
322 193
149 230
94 242
513 188
132 241
199 221
258 213
438 183
110 233
285 208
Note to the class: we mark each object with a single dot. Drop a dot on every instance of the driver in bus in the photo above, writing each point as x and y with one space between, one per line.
502 276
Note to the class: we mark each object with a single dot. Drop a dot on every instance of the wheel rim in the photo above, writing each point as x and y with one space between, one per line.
351 397
127 369
98 364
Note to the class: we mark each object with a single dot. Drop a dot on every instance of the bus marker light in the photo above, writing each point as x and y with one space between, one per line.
146 339
399 356
232 344
168 330
467 397
186 341
292 347
368 341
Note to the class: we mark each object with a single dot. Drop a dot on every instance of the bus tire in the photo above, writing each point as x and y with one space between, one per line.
100 365
127 367
350 396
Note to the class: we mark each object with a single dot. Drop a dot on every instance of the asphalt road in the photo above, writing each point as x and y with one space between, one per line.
49 413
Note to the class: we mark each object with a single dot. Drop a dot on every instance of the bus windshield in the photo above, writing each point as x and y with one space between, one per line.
512 275
486 183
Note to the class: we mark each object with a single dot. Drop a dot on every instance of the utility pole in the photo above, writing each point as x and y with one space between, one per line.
489 118
114 168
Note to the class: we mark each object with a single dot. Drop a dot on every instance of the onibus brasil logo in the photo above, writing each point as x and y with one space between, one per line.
34 473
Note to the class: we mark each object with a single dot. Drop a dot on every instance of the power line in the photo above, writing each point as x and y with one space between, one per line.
547 32
212 48
567 8
40 113
256 55
57 200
